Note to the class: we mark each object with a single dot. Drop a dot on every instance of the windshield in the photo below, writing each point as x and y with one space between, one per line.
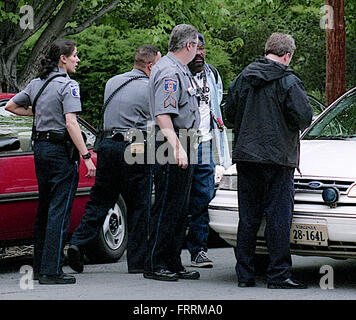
339 123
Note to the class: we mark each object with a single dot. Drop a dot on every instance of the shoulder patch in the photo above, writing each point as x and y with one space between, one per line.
170 85
74 89
170 102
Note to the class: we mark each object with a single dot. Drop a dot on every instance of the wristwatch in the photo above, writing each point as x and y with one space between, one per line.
86 156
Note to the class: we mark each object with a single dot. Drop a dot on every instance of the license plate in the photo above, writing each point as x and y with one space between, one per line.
309 234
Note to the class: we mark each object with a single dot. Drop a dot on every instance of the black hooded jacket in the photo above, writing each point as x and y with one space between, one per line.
269 107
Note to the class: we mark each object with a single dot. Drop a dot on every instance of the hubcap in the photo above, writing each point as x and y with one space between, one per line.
114 228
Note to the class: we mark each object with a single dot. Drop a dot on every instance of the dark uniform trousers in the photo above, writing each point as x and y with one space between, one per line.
168 219
268 190
114 177
57 183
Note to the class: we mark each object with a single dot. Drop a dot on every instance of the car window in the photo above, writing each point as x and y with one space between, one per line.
338 123
89 134
15 132
318 107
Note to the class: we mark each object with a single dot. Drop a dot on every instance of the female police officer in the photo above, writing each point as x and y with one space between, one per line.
57 173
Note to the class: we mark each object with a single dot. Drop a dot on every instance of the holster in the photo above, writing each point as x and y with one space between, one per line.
72 151
98 138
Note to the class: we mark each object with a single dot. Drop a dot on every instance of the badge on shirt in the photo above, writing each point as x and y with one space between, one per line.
170 102
74 89
192 91
170 85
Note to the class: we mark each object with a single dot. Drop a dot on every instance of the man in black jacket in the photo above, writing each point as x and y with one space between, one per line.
268 106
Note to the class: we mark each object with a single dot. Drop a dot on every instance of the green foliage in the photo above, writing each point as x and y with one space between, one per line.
107 49
255 20
256 27
235 32
350 17
8 16
104 52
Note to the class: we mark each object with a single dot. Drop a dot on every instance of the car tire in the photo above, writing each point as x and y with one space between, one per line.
110 243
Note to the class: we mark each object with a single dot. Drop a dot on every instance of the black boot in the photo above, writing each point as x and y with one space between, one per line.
56 279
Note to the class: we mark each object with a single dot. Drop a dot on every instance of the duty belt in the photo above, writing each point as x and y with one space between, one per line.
54 136
114 134
130 135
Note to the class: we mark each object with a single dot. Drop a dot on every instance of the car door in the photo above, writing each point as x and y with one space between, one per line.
18 184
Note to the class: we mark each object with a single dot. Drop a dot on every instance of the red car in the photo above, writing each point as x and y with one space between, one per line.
19 191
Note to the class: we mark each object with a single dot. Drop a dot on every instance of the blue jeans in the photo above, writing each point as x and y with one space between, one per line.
57 183
201 193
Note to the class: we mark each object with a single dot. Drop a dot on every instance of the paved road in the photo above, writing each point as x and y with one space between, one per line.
112 282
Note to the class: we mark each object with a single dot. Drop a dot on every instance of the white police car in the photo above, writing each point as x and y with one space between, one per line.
324 222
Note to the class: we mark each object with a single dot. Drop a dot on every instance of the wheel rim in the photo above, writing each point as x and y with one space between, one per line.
114 228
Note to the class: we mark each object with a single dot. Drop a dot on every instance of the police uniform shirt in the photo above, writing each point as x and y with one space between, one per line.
61 96
172 92
129 107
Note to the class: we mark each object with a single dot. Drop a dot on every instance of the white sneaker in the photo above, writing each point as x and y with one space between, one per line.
201 260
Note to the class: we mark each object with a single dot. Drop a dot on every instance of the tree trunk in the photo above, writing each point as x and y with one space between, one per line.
8 33
56 14
50 34
335 52
13 37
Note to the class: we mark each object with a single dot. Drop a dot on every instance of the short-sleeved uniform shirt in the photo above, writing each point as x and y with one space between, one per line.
61 96
129 107
172 92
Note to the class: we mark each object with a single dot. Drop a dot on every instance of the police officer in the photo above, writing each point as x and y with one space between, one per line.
127 109
174 106
57 173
